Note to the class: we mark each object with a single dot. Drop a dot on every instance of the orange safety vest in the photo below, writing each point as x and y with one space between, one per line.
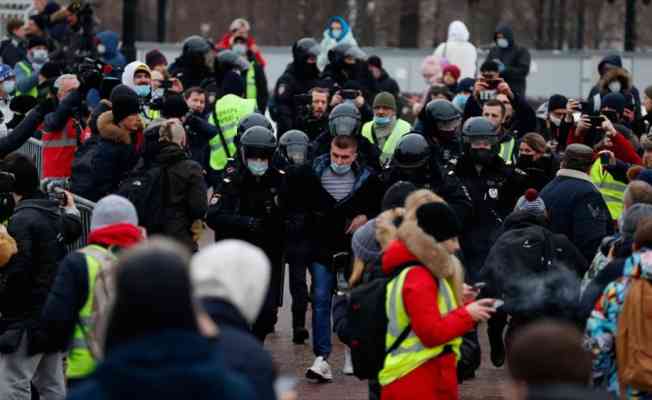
59 150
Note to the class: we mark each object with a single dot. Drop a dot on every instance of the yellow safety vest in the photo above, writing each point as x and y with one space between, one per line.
229 110
401 128
612 191
507 151
27 70
81 362
411 353
252 92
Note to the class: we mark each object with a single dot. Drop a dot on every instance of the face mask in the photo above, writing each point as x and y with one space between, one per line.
101 49
481 156
502 43
615 86
158 93
257 168
554 120
525 161
336 33
9 86
382 121
40 56
240 49
340 169
143 90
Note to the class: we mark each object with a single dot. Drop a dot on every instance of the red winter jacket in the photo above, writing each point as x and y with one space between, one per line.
225 43
437 378
622 148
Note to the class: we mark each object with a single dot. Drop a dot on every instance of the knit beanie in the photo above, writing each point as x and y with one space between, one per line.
232 84
375 61
632 217
364 244
645 176
154 58
556 102
51 70
615 101
466 85
113 209
36 41
439 221
174 106
532 203
41 21
453 70
385 99
396 194
124 103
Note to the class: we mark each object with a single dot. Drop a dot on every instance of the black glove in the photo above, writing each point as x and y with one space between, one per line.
46 106
22 104
255 225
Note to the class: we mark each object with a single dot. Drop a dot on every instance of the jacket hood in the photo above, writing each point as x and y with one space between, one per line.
41 202
613 74
130 70
224 313
613 59
234 271
523 219
639 265
110 131
121 235
169 365
110 40
507 31
346 28
458 32
170 153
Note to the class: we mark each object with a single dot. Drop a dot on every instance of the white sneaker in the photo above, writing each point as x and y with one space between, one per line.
320 371
348 363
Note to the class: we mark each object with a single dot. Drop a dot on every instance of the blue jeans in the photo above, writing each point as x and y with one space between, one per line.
323 282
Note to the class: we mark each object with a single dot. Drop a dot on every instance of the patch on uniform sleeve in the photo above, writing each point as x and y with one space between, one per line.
281 89
493 193
596 211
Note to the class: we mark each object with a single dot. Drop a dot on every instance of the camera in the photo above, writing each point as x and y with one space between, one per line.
492 84
56 190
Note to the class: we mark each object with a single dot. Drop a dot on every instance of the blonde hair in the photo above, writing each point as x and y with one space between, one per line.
172 131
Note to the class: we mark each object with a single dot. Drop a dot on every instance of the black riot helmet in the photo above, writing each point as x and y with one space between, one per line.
412 152
344 120
305 48
251 120
337 54
445 116
257 142
479 128
196 45
229 59
293 146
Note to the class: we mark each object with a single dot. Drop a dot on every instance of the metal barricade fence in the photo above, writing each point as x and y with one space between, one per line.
34 149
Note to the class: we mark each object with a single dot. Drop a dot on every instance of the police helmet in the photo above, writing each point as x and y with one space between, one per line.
411 152
257 142
305 48
344 120
293 146
228 59
444 114
343 50
251 120
479 128
196 45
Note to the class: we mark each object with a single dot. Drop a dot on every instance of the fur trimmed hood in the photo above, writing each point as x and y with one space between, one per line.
612 74
109 130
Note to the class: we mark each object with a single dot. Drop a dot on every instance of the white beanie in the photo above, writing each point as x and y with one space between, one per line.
235 271
113 209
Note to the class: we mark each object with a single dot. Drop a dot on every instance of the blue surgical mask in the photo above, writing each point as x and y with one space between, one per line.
460 101
336 33
340 169
382 121
40 56
9 86
502 43
257 167
143 90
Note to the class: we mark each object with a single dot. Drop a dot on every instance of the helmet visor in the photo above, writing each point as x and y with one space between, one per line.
258 152
344 125
486 140
297 153
356 53
449 126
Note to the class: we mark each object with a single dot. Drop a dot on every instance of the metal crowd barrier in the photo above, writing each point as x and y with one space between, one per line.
33 148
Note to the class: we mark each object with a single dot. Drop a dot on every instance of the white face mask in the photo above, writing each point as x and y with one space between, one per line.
554 120
40 56
502 43
101 49
615 86
9 86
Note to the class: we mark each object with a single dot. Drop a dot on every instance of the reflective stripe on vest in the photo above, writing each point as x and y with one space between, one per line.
252 92
29 72
401 128
80 360
58 150
612 191
411 353
230 109
507 151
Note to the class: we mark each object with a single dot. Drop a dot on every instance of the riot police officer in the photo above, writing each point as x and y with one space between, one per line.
300 77
247 207
293 147
249 121
345 120
193 66
439 123
348 63
414 161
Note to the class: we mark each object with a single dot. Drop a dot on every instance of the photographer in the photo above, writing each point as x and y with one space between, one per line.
351 92
312 112
41 227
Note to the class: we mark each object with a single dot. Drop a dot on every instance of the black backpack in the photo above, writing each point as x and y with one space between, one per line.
147 190
81 180
367 323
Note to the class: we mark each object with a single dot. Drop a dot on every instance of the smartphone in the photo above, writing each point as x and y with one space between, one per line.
596 120
498 303
479 285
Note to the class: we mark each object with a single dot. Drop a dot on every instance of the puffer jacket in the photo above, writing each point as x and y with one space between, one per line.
458 50
602 326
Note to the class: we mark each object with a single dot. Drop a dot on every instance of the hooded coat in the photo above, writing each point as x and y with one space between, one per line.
112 54
516 60
330 41
617 72
128 74
437 377
458 50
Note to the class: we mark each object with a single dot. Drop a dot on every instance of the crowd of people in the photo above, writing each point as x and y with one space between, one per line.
481 214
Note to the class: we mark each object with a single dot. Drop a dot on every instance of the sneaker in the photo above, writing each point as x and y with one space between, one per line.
320 371
348 363
300 335
497 351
